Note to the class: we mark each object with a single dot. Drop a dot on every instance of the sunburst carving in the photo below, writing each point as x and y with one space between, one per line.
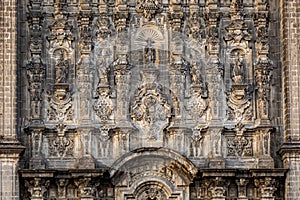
148 37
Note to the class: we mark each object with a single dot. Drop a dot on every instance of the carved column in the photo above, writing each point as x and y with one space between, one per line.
217 189
35 66
242 188
38 188
238 73
120 140
83 66
36 138
263 66
175 16
62 188
267 187
85 188
61 70
264 137
215 72
86 161
216 139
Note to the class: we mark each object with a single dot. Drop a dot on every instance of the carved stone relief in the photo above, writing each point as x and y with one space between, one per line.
115 78
150 111
60 104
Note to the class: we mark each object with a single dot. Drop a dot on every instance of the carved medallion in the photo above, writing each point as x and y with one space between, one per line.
150 111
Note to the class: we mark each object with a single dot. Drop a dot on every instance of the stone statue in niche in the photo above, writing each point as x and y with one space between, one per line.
197 143
238 68
61 67
150 54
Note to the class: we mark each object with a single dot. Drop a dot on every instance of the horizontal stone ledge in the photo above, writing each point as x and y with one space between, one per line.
279 172
51 173
290 147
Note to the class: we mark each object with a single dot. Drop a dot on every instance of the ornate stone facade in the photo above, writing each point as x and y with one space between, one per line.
149 100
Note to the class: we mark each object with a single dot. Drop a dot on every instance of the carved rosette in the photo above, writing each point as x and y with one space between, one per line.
150 111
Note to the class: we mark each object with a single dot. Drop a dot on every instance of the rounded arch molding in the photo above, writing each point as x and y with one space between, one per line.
152 173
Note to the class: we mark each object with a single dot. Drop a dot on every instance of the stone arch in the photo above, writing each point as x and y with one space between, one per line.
152 167
153 190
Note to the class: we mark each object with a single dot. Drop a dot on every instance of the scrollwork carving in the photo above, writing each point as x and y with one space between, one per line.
103 105
151 110
148 8
267 187
197 104
60 108
61 147
239 146
239 102
38 188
